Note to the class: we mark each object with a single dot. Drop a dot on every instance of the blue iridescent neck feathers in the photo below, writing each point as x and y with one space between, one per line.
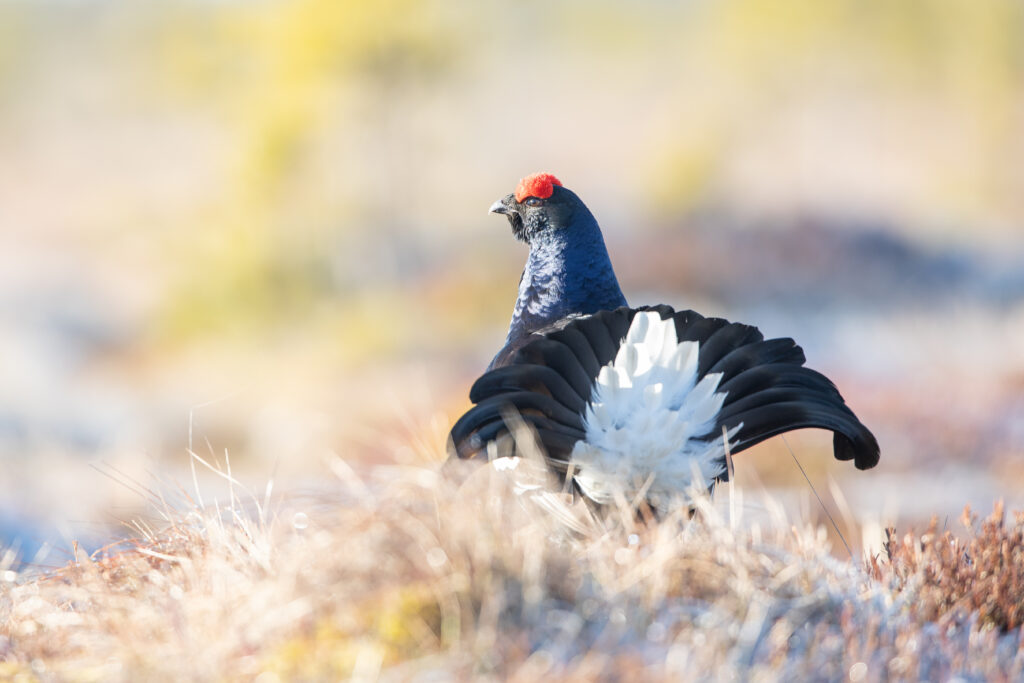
567 273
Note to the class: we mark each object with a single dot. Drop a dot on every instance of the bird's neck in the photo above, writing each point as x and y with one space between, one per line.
567 273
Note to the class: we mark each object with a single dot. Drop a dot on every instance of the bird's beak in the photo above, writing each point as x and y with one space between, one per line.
503 206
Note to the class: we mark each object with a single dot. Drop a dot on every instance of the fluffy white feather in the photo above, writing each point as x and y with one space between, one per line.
649 422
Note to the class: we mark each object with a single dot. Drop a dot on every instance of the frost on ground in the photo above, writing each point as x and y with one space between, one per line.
405 575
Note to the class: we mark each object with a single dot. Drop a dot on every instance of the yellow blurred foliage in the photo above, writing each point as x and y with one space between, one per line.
276 72
298 98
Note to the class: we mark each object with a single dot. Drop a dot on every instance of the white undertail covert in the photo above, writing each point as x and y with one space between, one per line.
650 420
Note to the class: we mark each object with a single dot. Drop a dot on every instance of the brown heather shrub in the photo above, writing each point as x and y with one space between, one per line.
947 577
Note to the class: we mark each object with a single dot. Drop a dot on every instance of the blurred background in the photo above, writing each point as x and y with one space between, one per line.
258 227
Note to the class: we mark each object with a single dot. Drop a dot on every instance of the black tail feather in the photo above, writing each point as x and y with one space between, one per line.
562 437
617 324
738 360
722 342
601 337
577 341
560 358
772 375
539 378
699 330
768 420
862 449
471 440
522 402
776 395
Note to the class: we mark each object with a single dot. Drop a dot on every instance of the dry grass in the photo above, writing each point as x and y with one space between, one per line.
404 575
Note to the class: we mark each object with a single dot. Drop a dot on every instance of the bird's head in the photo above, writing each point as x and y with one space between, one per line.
539 206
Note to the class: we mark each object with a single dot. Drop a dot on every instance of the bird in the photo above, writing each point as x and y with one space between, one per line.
641 403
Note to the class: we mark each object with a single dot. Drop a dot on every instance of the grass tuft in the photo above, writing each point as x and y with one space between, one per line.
400 572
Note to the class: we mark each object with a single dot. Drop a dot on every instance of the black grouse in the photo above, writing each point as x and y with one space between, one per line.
628 400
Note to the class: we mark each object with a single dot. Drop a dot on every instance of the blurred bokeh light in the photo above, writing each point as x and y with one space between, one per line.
258 227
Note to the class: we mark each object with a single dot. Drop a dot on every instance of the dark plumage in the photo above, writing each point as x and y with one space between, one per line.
568 272
588 375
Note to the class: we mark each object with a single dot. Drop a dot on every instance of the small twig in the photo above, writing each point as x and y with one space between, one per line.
822 504
730 472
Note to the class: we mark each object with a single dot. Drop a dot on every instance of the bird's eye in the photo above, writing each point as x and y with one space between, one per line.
534 201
